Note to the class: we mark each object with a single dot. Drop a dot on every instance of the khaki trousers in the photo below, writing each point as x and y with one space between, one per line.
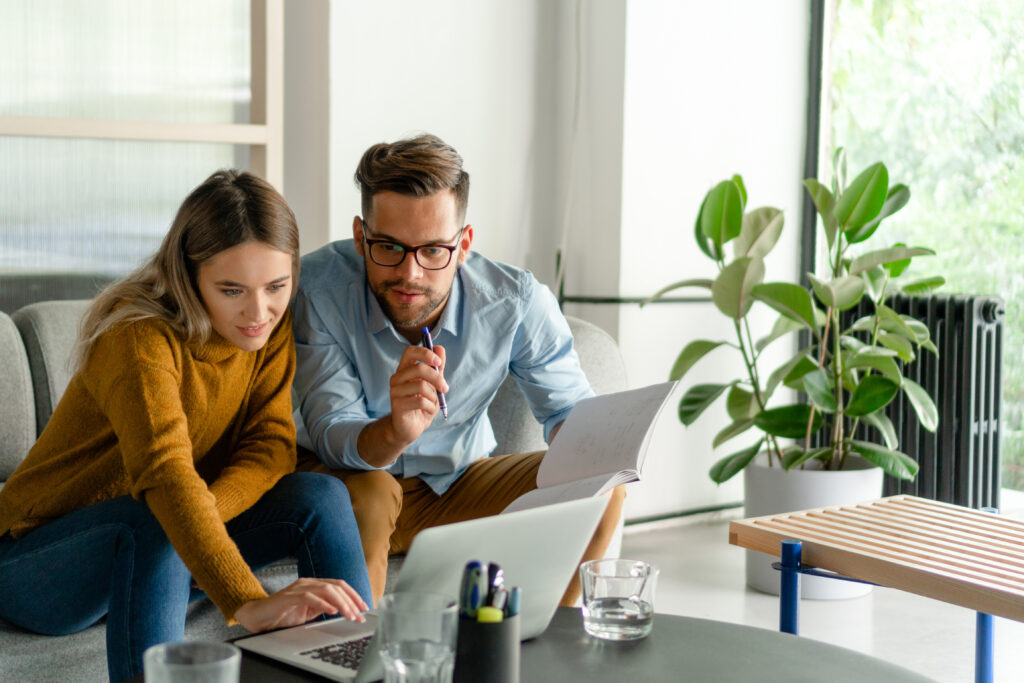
390 512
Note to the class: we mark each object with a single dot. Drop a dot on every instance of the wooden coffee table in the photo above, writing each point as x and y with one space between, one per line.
966 557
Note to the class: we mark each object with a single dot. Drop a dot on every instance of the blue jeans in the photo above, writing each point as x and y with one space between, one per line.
113 558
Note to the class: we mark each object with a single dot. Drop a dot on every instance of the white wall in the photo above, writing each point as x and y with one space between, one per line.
710 89
675 95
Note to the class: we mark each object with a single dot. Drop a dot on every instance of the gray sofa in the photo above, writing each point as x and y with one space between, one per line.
35 343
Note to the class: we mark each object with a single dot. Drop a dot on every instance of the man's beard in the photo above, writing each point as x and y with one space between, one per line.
404 317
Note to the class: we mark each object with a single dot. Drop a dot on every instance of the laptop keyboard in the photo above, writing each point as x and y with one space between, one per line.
348 654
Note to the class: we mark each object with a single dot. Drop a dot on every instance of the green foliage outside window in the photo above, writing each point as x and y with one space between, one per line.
937 90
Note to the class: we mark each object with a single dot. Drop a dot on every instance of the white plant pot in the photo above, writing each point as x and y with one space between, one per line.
772 490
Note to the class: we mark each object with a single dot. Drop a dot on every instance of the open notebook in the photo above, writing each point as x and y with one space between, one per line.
538 550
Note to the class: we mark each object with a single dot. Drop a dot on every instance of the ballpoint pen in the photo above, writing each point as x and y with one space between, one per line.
429 343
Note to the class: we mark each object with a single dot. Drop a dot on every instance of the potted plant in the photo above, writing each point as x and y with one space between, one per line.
847 373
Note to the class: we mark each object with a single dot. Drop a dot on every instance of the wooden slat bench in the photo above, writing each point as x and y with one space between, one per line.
966 557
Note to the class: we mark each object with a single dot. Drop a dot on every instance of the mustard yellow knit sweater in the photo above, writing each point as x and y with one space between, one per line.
199 432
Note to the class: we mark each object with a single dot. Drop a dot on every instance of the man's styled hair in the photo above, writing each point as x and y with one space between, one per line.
415 167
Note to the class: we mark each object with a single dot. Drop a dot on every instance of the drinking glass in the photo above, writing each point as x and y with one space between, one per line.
618 598
416 633
197 661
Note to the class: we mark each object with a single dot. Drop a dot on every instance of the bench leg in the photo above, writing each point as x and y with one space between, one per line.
789 587
983 649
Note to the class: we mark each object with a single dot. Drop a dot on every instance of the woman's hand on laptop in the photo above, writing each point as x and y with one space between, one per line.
300 602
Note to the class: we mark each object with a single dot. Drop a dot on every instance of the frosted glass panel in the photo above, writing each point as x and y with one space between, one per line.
97 206
181 61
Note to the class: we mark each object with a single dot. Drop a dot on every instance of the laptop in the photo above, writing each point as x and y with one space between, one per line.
538 550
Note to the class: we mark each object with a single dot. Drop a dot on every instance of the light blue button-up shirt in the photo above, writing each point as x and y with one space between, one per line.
498 320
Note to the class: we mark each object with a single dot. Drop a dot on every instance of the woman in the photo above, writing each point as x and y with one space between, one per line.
168 459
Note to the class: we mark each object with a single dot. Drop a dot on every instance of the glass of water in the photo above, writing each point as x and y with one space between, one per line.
618 598
196 661
416 632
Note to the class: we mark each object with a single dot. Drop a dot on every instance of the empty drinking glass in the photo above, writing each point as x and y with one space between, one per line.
416 632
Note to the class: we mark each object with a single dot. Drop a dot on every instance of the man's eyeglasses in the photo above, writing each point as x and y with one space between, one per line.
389 254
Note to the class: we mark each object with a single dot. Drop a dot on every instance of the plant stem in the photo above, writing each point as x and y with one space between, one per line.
837 364
755 383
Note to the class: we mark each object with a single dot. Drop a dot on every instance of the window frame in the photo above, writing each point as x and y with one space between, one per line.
264 134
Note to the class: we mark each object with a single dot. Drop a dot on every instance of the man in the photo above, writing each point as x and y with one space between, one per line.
367 392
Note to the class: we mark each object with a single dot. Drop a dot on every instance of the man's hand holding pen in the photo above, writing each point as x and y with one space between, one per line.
415 386
414 391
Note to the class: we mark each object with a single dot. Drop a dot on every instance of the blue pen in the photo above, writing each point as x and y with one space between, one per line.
474 588
429 343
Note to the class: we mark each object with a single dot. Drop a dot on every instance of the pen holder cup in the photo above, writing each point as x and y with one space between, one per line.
487 653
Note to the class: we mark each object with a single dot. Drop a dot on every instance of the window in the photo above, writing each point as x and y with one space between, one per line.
934 89
111 111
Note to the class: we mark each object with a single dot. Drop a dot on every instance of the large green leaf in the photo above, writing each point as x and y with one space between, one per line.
922 286
702 282
738 179
841 293
732 431
825 203
863 199
917 328
783 326
800 360
690 354
876 280
788 421
881 257
731 291
885 427
863 324
697 399
924 406
872 393
794 379
760 231
893 463
798 456
901 345
818 385
883 364
726 468
740 403
709 248
891 321
788 299
896 268
895 199
721 217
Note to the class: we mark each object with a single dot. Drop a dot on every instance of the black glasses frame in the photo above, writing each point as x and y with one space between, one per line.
409 249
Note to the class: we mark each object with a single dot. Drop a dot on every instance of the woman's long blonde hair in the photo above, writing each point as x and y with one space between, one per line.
231 207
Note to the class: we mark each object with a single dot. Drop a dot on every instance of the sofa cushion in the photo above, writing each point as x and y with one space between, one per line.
17 407
49 330
515 428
